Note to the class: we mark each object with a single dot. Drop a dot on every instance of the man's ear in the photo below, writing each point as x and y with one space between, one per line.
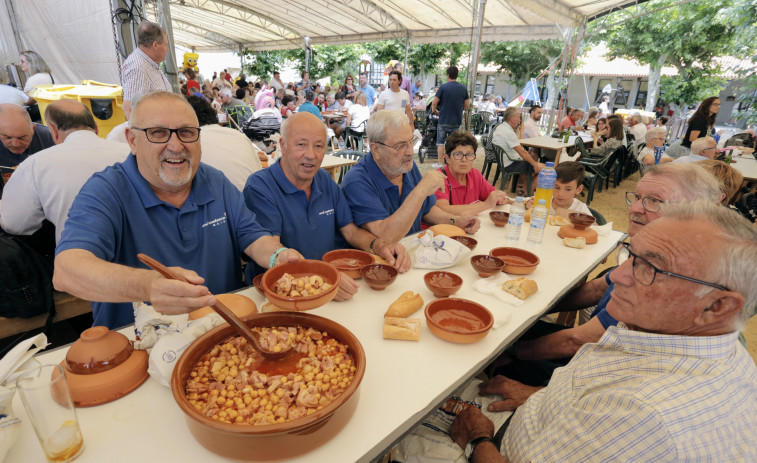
130 138
55 133
724 307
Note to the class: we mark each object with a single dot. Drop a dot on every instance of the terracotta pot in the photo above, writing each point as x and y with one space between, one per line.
466 241
305 267
458 320
349 261
500 218
442 284
379 276
517 261
486 266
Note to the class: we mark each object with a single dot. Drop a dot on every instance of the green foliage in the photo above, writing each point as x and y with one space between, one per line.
743 15
697 87
261 64
523 60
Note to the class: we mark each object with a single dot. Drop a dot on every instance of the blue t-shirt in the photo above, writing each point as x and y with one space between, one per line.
370 94
309 107
40 140
311 227
600 311
373 197
452 96
117 215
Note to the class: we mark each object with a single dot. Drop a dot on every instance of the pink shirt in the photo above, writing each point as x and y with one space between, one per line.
567 122
476 188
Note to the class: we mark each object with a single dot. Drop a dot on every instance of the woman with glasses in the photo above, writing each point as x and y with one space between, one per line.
349 87
654 152
466 191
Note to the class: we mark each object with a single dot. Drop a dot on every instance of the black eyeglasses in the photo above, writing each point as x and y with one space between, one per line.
162 134
399 147
649 203
460 156
645 273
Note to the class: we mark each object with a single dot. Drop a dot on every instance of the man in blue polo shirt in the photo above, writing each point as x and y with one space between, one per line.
162 202
308 106
367 88
303 206
385 190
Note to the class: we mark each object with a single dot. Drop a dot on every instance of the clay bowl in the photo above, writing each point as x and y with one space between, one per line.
458 320
466 241
581 221
379 276
499 218
256 282
271 442
242 306
517 261
442 284
305 267
102 366
486 266
349 261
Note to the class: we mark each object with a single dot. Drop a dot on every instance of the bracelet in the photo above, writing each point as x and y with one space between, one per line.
372 243
272 260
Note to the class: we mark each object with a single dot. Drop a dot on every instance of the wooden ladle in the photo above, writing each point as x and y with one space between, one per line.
221 310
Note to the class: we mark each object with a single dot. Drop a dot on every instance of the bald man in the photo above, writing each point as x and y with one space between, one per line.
19 136
45 185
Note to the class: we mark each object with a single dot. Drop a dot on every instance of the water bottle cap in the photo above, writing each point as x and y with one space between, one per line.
550 164
519 199
543 201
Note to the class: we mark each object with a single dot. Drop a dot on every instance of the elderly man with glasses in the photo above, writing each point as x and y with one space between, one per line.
669 382
547 346
701 149
164 203
385 190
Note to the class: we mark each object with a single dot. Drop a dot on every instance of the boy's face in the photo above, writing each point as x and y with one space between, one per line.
565 192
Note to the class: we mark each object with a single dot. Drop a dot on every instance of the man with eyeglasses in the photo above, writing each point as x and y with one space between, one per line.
669 382
547 346
164 203
701 149
385 190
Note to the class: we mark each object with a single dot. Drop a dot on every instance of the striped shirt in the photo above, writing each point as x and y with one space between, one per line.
140 75
643 397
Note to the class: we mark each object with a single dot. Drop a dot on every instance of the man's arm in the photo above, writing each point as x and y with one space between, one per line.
434 104
528 158
562 344
263 248
466 104
437 215
21 213
394 253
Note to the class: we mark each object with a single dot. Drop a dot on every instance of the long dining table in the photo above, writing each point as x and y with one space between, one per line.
404 380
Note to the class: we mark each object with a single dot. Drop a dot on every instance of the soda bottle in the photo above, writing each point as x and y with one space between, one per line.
538 222
545 185
517 210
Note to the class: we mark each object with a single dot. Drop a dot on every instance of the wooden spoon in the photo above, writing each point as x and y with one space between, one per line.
221 309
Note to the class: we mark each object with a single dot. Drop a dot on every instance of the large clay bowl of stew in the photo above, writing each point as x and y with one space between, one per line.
305 267
275 441
517 261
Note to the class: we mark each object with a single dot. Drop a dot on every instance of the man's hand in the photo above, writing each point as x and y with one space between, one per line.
539 166
432 181
395 255
469 223
514 393
470 424
288 256
347 288
173 297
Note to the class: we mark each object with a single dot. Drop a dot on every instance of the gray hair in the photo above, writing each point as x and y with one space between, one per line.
509 112
636 118
60 114
691 182
384 122
225 91
36 63
701 144
733 266
652 133
154 95
149 32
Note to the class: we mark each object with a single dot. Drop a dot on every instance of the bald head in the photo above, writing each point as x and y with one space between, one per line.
16 128
138 115
66 116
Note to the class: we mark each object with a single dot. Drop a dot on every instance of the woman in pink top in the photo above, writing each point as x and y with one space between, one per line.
466 191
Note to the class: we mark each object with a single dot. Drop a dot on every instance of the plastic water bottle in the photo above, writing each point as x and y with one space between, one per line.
538 222
545 185
517 210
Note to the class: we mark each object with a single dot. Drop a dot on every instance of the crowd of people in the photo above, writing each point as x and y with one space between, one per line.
656 374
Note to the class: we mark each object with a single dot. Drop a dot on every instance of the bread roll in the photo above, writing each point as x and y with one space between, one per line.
558 220
447 230
578 243
403 329
405 306
522 288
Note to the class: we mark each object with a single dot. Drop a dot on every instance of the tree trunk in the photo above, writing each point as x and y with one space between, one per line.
653 85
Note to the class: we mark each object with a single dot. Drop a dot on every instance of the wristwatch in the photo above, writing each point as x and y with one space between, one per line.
471 447
452 220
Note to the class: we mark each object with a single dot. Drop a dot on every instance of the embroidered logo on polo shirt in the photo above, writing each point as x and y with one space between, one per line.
327 212
215 222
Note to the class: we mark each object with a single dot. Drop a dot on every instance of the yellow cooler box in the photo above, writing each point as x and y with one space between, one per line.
104 100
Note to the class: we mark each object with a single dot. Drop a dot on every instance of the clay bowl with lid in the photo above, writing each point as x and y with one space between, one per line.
458 320
242 306
581 221
349 261
500 218
466 241
279 441
517 261
486 266
379 276
305 267
102 366
442 284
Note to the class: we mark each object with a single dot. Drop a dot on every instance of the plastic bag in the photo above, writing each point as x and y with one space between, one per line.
435 252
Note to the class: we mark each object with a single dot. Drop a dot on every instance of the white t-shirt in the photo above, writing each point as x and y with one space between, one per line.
40 78
275 85
396 101
506 138
577 206
360 114
639 131
12 95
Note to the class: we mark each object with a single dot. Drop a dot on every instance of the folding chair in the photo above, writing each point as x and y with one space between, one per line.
348 154
501 155
353 137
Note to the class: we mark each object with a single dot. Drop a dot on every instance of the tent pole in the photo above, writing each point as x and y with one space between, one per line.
473 71
407 49
14 25
561 81
165 18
